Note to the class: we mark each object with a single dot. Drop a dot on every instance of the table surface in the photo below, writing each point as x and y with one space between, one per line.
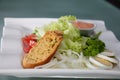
83 9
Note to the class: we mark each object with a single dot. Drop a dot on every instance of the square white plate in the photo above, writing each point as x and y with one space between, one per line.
11 51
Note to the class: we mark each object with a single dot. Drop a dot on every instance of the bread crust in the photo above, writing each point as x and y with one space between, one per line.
44 50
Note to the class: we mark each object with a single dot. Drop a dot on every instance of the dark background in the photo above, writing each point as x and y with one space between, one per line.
107 10
115 3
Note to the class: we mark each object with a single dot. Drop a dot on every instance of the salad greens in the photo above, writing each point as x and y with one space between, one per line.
71 35
72 40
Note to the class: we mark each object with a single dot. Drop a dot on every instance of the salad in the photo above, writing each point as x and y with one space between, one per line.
76 51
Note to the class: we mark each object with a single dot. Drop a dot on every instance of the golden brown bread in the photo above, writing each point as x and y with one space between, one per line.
44 50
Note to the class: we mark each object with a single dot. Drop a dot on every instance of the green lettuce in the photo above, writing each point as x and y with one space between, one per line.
71 35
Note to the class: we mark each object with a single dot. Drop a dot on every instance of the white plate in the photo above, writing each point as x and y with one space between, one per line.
11 51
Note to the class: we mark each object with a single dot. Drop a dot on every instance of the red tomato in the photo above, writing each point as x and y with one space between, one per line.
28 42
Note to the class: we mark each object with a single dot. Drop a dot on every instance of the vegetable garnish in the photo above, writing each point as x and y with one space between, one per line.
37 32
93 46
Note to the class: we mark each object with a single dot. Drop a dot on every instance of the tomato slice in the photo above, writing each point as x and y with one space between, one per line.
28 42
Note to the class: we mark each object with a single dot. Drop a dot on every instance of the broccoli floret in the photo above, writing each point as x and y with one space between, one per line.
93 47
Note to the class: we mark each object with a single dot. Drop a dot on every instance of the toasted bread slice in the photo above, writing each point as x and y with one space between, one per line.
44 50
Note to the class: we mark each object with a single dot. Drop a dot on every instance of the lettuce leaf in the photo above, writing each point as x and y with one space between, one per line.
71 35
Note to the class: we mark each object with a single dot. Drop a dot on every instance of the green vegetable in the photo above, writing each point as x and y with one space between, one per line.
37 32
93 46
67 18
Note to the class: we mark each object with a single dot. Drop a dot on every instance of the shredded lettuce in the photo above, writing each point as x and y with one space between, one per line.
71 35
67 18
